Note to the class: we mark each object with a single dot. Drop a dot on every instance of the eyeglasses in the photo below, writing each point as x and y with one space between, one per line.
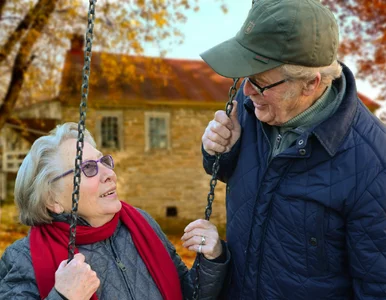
260 89
90 167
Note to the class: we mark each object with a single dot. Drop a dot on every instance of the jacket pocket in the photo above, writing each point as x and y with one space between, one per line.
317 262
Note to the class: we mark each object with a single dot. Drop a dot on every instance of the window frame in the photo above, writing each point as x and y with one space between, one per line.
156 114
98 137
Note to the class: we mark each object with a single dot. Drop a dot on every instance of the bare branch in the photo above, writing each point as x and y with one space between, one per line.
23 58
29 18
2 4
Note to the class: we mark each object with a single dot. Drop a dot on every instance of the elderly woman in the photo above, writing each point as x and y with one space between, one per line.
121 251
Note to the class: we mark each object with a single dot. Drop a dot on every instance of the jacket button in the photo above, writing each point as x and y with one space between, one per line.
301 142
228 188
302 152
313 241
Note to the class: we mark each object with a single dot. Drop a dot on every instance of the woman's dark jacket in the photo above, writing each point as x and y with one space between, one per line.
122 273
311 222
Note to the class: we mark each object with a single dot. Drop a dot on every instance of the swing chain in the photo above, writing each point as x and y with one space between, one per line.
213 182
216 165
81 127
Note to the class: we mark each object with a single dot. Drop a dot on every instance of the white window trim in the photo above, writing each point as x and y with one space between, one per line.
156 114
98 126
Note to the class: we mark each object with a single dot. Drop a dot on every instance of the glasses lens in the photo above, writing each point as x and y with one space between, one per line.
107 161
255 85
90 168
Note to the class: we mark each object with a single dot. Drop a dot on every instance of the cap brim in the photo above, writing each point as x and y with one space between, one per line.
231 59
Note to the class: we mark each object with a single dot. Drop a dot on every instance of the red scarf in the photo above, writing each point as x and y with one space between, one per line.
49 247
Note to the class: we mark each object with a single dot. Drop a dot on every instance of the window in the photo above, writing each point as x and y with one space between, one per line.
109 130
157 130
171 211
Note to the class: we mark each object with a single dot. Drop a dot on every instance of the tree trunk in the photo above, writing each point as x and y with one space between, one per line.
23 58
2 4
34 12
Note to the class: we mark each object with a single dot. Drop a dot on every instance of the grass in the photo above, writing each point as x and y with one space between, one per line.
11 230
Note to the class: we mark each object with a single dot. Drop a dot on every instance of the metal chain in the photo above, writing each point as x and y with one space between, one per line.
81 127
213 182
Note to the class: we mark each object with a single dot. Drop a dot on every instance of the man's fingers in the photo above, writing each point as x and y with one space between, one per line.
212 147
221 117
217 138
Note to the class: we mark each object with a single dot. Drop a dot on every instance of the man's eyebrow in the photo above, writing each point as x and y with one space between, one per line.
259 79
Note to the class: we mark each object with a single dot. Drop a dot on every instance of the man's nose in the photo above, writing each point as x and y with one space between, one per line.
248 89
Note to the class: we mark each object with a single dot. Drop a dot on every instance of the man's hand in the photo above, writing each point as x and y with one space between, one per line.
222 132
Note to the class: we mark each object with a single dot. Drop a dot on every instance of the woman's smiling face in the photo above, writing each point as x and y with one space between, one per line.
98 202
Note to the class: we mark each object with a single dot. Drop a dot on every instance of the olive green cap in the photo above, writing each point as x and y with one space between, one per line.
276 32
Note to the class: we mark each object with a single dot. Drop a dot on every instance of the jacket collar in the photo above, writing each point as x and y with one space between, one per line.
332 131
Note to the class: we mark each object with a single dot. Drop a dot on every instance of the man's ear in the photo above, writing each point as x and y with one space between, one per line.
312 86
55 207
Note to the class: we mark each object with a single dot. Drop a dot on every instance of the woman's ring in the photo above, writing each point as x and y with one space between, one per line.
199 248
203 239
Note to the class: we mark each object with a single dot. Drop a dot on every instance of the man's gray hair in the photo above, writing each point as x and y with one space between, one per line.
33 189
306 74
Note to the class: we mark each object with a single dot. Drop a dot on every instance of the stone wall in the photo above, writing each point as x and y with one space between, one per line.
160 179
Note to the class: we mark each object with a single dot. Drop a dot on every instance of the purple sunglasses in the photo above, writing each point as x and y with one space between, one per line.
90 167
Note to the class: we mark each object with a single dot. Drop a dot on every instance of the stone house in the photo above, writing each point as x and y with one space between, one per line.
149 114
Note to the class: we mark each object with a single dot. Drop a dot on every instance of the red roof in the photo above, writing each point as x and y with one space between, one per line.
120 80
368 102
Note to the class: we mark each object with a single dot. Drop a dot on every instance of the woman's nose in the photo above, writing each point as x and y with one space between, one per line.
107 174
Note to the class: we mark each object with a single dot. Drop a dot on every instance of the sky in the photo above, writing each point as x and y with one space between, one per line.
210 26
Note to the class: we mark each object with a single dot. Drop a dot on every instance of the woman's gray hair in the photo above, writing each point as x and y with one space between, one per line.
307 74
33 189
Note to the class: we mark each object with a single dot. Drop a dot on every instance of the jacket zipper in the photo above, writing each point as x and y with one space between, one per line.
278 140
121 266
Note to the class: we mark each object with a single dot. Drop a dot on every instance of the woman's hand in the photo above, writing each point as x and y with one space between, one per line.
201 236
76 280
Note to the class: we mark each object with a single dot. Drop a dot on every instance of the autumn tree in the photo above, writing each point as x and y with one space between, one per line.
363 37
34 35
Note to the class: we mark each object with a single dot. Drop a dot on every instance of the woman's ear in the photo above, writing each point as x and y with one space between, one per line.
55 207
312 86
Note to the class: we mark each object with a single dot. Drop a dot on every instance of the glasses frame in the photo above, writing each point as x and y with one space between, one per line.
83 163
260 89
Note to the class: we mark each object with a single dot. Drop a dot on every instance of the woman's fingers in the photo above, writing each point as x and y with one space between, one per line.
201 236
198 240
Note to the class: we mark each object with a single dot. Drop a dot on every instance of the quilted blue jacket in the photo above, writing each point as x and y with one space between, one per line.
310 223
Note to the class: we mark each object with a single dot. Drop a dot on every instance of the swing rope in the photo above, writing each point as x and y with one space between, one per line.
81 126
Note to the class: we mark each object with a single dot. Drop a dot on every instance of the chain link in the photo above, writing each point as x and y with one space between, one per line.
213 182
81 127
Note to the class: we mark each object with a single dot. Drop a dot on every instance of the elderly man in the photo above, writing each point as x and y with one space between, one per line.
303 159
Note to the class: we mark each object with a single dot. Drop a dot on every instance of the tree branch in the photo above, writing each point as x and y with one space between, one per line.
2 4
23 58
29 18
